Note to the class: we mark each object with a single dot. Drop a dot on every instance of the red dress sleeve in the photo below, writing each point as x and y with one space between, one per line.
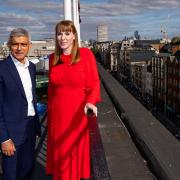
92 79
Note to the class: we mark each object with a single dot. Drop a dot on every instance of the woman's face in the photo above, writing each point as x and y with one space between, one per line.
65 40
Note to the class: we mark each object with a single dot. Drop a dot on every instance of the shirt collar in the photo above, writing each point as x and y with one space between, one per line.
17 63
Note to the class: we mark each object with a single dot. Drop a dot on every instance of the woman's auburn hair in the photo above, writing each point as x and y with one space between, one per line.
66 26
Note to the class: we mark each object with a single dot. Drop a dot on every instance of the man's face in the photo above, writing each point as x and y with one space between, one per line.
20 47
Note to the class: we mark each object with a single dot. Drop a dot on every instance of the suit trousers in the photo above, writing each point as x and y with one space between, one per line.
20 166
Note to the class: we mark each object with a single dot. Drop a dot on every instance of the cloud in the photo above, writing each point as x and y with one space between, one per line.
146 4
121 7
33 5
105 9
122 17
16 20
39 17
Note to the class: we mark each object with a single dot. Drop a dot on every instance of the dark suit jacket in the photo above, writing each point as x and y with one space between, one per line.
13 103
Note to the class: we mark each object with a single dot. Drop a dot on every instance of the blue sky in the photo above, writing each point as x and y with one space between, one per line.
122 17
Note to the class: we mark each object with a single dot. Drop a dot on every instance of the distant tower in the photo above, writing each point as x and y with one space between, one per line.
102 33
136 35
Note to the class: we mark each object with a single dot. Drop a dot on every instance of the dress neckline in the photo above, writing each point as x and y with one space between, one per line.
66 55
66 58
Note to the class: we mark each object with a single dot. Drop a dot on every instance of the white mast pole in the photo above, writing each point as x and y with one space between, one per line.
76 18
74 13
67 10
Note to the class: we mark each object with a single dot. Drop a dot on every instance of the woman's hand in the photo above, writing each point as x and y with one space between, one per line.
90 110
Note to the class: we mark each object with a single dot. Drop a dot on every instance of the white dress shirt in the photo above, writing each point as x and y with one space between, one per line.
26 82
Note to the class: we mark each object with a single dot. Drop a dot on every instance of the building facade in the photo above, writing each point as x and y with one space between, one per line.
102 33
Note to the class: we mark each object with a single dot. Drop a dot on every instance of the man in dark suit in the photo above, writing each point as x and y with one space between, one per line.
19 123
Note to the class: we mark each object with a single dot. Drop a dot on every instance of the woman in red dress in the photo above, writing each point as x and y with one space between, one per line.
74 87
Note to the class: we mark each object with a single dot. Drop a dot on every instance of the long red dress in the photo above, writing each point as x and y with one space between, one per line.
70 88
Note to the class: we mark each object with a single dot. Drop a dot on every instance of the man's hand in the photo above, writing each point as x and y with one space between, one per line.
8 147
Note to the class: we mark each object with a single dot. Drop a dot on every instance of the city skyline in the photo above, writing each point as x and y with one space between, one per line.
121 17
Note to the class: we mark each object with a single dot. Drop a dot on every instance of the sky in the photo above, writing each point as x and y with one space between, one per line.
122 17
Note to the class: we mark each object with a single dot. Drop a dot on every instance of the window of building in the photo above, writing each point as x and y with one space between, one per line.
162 63
169 91
170 70
176 83
170 81
174 93
162 74
155 61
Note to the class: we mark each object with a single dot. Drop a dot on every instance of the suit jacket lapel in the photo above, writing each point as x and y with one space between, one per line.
13 71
